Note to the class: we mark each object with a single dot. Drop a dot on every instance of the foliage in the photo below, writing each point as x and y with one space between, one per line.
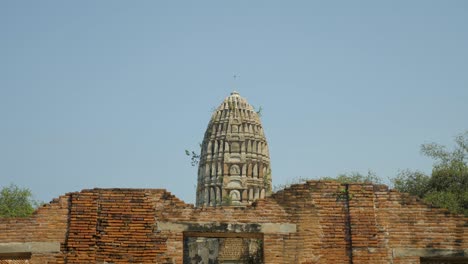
343 195
267 181
355 177
227 200
194 157
297 180
413 182
260 111
449 200
16 202
447 186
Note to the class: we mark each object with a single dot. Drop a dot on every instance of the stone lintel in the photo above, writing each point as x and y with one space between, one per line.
170 226
428 252
266 228
270 228
32 247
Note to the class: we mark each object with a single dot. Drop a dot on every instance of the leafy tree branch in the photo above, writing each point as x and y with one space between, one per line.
16 202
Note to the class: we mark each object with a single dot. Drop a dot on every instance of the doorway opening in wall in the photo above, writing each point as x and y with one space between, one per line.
444 260
223 248
15 258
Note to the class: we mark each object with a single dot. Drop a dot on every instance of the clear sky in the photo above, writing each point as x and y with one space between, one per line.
111 93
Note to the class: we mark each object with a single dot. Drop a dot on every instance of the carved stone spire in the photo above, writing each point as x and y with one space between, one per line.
234 166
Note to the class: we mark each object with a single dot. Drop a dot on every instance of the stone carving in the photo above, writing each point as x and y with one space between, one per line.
235 195
235 129
234 170
234 185
234 145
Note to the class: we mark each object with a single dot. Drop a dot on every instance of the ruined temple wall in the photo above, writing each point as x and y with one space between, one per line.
410 228
314 222
42 234
369 239
264 217
320 219
339 223
138 226
91 226
391 227
148 226
114 225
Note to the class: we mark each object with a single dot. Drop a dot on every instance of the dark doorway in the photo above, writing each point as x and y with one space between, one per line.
15 258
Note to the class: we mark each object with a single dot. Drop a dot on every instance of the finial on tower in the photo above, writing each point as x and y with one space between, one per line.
235 76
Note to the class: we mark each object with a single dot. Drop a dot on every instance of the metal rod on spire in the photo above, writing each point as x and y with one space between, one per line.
235 76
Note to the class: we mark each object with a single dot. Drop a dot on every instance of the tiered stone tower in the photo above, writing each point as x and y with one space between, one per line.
234 166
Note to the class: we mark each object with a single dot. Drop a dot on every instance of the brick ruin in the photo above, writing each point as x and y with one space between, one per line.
237 219
314 222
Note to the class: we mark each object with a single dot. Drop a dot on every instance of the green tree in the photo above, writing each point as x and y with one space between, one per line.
16 202
447 186
412 182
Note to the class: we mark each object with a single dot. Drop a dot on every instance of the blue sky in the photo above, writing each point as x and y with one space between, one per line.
111 93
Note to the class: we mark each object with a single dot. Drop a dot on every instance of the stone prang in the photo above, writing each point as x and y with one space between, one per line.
234 166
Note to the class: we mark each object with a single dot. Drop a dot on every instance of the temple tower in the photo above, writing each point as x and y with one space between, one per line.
234 166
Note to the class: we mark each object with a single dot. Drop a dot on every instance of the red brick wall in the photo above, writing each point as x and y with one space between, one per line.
47 224
115 225
170 209
369 239
406 222
335 224
377 219
320 220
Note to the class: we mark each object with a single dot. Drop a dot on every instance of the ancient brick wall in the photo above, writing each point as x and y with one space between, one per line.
360 223
222 220
314 222
113 225
368 237
42 233
409 228
148 226
320 219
